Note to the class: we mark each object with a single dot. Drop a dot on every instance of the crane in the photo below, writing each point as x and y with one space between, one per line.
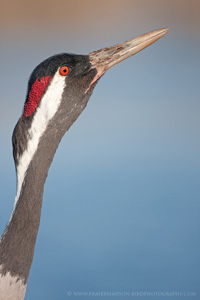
58 91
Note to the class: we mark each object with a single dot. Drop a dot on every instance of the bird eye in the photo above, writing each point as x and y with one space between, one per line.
64 70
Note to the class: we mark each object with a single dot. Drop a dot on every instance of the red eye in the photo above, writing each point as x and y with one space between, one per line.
64 70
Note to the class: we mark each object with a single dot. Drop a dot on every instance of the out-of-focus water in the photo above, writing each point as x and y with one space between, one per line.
121 202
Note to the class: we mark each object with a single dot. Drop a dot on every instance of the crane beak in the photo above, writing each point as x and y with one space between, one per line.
106 58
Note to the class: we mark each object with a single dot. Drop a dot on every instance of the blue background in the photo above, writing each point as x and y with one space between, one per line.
122 199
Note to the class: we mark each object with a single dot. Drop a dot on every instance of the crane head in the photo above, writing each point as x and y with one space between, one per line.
58 91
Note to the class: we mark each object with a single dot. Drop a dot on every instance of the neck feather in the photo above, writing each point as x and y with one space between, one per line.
18 241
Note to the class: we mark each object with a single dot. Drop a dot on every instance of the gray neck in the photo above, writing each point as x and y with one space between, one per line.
18 241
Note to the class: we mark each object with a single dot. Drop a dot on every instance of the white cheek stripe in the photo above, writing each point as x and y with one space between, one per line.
47 108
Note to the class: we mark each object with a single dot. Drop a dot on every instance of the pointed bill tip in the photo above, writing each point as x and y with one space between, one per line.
105 58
